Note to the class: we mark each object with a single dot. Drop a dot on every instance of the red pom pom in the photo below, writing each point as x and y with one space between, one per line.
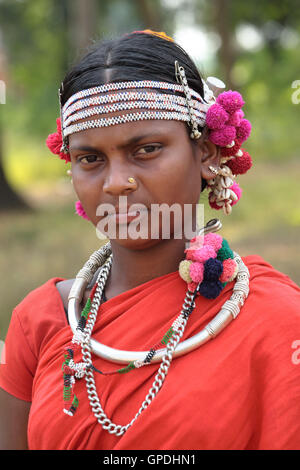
229 268
240 165
231 151
54 143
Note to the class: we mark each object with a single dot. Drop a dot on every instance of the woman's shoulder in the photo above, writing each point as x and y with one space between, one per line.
44 296
43 305
273 303
265 276
40 314
50 299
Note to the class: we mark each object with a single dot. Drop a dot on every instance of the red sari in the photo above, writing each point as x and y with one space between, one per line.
240 390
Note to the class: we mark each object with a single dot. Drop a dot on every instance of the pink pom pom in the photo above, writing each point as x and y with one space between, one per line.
80 210
229 268
54 143
203 254
231 101
223 137
196 243
214 240
237 190
244 130
196 272
240 165
230 151
235 118
216 117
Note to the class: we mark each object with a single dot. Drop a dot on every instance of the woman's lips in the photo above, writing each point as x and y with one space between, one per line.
125 217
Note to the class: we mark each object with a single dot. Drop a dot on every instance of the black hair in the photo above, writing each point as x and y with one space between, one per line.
135 56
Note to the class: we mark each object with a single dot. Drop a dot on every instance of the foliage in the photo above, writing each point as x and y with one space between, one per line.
34 37
39 38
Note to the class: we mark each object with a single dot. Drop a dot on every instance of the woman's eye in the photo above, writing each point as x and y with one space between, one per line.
148 149
88 159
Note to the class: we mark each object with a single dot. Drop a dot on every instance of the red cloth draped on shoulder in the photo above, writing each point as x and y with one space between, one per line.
240 390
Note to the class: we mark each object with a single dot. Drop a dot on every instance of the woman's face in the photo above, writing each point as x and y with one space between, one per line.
159 155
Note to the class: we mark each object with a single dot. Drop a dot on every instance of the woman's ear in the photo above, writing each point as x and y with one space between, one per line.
210 155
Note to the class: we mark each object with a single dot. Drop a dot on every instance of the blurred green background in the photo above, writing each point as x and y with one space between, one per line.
252 46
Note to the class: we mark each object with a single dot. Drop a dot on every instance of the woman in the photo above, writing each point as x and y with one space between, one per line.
138 122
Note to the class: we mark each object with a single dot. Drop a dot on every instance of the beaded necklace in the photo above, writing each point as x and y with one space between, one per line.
72 371
82 335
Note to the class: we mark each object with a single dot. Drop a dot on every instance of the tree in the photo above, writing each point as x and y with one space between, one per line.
35 36
83 23
9 198
222 14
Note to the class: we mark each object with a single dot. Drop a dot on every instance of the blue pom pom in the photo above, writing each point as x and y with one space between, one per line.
213 269
210 289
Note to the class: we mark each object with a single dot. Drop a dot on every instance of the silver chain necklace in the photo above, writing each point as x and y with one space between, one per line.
103 257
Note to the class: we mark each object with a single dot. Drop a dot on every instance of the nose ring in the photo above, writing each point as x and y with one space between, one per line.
131 180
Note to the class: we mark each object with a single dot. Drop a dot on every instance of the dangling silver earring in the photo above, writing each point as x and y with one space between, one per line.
69 173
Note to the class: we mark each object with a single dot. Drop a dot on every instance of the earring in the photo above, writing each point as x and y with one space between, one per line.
78 206
69 173
214 170
223 191
80 210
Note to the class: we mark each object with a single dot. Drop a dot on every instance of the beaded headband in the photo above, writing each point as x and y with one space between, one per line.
220 113
148 97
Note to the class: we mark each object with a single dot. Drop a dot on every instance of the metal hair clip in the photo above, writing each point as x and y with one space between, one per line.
64 147
181 78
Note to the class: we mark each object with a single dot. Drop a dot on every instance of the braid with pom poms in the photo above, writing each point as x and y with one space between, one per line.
228 129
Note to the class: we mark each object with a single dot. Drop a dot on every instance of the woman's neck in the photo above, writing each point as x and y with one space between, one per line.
131 268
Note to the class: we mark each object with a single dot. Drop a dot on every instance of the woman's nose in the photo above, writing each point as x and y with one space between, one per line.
119 182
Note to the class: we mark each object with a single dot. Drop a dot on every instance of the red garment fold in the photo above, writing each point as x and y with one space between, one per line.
240 390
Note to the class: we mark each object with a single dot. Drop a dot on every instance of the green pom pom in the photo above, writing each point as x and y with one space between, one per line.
225 252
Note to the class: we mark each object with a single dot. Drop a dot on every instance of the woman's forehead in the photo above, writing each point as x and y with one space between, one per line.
126 133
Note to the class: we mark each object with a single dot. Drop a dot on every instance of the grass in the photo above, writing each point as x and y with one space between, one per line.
53 242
